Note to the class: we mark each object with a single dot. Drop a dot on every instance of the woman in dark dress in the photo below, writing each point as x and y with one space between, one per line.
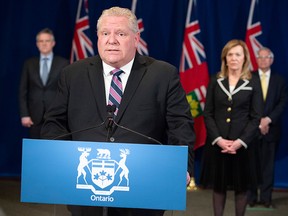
232 115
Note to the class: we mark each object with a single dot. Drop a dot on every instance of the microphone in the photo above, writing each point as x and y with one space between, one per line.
110 118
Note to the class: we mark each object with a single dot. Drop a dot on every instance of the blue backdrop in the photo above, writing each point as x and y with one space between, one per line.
164 22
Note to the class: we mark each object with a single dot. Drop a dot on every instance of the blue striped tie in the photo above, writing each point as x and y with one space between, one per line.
115 94
45 71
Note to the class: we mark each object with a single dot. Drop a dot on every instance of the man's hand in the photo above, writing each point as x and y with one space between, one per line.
187 179
26 122
264 125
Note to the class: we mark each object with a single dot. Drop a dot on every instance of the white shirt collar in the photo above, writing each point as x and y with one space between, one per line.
49 56
267 73
126 68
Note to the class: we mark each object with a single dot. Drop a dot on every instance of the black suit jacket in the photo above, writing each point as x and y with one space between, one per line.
233 115
153 104
274 105
34 97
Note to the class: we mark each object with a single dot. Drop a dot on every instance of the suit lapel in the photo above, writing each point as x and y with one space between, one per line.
224 85
271 86
52 71
36 69
95 72
241 84
135 77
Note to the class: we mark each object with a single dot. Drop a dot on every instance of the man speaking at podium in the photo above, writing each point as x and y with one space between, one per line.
145 93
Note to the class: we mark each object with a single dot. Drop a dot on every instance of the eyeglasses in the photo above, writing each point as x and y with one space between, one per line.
264 57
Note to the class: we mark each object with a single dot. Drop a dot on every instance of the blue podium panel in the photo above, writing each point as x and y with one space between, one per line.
104 174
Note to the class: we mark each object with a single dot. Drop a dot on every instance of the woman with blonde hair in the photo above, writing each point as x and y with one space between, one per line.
232 115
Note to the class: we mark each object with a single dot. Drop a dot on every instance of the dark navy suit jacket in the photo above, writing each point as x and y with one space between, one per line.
274 105
34 97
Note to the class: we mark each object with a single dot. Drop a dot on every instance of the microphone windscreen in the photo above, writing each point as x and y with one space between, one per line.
111 108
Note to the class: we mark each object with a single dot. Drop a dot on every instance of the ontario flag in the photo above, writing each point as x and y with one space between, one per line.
82 47
254 29
142 47
194 73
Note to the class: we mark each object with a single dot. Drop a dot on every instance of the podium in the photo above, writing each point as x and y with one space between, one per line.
104 174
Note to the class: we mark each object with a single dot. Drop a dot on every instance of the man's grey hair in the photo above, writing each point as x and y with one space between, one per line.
45 31
271 55
118 11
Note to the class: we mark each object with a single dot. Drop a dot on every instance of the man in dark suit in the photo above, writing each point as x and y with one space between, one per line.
38 83
275 98
152 101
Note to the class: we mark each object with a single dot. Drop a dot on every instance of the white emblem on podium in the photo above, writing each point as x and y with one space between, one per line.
103 170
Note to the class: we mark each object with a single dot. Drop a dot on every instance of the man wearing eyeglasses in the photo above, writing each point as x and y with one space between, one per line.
38 83
274 91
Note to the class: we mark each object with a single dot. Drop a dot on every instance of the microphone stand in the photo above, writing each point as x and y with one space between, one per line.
110 120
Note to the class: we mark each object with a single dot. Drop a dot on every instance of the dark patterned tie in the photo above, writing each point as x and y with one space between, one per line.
45 71
116 91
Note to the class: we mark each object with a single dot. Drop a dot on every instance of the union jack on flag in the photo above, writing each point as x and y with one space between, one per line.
194 73
254 29
82 46
142 47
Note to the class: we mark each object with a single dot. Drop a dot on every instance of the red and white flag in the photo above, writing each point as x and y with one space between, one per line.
82 46
194 73
142 47
254 29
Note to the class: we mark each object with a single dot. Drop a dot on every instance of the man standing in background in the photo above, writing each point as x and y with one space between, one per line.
38 83
275 98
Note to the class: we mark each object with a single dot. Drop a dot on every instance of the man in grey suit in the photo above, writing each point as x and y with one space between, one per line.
38 83
275 99
153 102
